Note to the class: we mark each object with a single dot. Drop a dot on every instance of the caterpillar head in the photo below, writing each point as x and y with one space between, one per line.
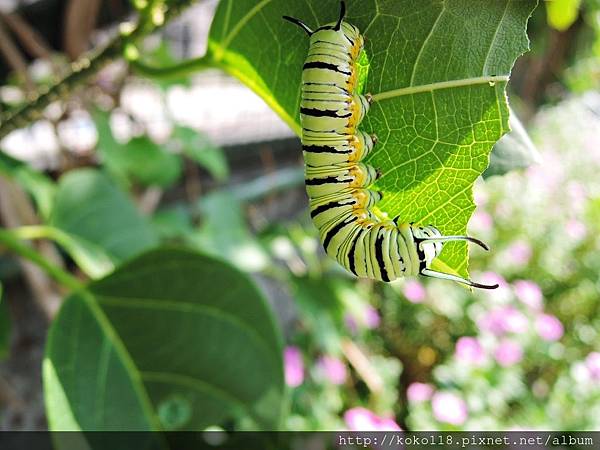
337 33
429 242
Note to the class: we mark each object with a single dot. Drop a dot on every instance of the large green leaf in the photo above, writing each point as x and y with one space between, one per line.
438 70
172 337
103 223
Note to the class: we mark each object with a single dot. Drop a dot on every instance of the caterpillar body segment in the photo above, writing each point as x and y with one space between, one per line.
337 179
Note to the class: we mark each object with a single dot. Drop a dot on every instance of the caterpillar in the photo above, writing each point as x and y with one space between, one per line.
337 179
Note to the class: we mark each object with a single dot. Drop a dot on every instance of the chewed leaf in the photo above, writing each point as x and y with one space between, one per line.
437 70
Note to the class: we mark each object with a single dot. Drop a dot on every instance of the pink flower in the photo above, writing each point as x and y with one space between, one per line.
508 353
419 392
414 291
481 221
294 366
372 319
592 363
504 320
493 278
469 350
449 408
351 324
549 327
333 369
361 419
519 252
576 229
529 293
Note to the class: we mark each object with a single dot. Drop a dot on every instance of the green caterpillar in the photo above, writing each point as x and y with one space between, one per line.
337 181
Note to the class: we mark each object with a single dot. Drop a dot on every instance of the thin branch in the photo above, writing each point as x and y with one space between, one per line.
13 57
362 365
31 40
80 19
86 67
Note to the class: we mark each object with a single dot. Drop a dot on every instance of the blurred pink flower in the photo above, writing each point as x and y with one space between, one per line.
294 366
369 320
529 293
449 408
493 278
480 196
481 221
372 319
519 252
549 327
333 369
504 320
508 353
361 419
469 350
576 229
414 291
419 392
351 324
592 363
578 195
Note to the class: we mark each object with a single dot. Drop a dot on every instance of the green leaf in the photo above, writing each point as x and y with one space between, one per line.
172 335
4 328
513 151
139 159
173 222
39 186
438 70
562 13
103 224
224 233
199 148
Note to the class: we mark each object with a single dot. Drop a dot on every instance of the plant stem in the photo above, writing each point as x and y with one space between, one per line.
11 241
84 68
181 69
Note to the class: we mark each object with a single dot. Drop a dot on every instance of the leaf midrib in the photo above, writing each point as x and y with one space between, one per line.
185 307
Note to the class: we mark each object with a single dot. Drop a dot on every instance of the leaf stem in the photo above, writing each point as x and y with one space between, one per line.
11 239
439 85
181 69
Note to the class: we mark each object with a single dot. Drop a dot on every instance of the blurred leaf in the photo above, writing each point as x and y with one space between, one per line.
172 334
4 328
173 222
162 56
562 13
90 258
102 221
224 232
437 114
38 185
140 159
322 310
199 148
513 151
